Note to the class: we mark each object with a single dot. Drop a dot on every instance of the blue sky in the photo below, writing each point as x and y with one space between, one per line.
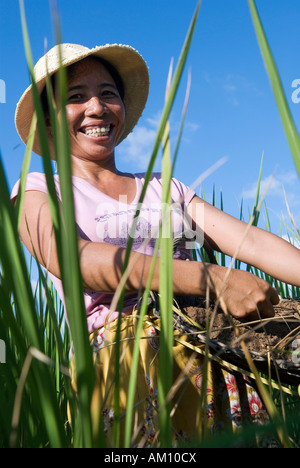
232 112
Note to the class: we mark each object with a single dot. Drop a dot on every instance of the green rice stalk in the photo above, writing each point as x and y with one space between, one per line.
182 121
136 352
52 313
73 286
202 427
164 118
256 207
223 257
165 301
14 267
284 111
144 305
52 197
66 240
166 283
25 168
271 408
157 143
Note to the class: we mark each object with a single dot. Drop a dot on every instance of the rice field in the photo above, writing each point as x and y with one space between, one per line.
39 408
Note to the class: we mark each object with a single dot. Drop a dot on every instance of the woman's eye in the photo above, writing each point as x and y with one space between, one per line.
80 97
75 97
109 93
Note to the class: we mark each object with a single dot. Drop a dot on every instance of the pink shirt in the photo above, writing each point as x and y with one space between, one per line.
100 218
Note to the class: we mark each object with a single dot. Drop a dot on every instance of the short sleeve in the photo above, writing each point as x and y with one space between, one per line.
181 193
35 181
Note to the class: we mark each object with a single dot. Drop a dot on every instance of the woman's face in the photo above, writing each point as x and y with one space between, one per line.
95 111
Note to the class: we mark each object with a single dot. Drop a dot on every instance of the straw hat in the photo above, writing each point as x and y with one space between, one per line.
126 60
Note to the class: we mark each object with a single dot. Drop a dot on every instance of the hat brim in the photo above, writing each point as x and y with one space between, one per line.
131 68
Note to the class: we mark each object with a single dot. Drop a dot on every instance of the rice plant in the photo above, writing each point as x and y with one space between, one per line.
39 407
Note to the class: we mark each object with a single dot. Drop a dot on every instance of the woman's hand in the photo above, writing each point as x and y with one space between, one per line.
243 294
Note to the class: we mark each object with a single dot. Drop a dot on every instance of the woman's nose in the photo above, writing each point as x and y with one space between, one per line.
96 106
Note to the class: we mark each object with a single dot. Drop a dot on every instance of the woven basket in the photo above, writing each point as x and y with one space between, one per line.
282 364
277 356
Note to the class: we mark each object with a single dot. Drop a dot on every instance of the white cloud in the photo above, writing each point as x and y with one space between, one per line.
138 146
272 185
155 120
235 86
280 193
192 126
229 87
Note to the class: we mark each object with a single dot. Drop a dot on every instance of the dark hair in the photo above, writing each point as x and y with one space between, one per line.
109 67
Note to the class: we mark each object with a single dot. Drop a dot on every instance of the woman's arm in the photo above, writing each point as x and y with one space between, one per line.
101 263
250 244
101 266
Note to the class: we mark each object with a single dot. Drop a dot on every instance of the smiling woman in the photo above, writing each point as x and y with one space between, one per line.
102 108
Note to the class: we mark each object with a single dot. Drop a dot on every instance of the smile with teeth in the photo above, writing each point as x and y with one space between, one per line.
98 131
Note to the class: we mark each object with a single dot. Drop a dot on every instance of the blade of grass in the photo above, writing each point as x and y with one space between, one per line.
66 236
144 305
183 116
270 406
52 196
223 256
256 209
284 111
14 265
165 380
164 118
156 146
73 286
25 168
165 300
136 352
